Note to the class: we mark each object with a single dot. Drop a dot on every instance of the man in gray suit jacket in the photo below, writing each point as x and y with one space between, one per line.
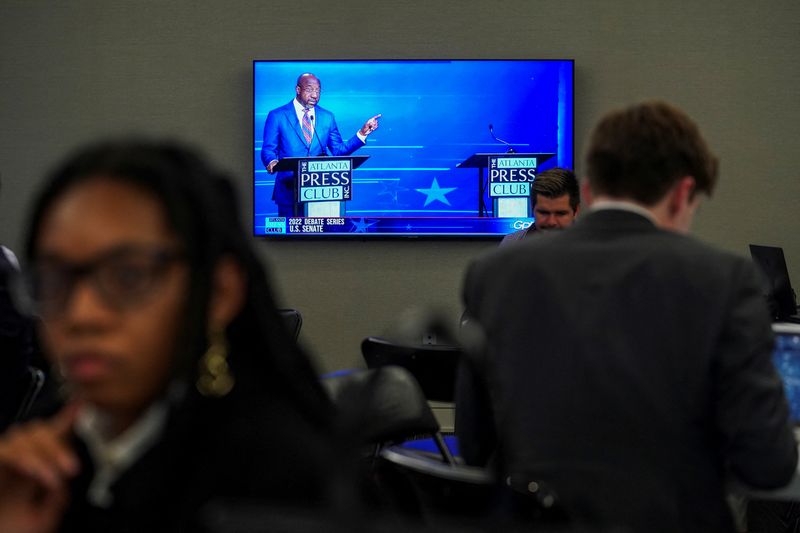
628 365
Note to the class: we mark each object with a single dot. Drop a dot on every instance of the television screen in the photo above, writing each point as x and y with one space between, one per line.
405 148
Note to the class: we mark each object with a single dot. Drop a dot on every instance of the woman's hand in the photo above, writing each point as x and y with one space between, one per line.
36 464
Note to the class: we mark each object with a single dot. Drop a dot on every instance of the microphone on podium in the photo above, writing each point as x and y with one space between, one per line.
314 127
510 148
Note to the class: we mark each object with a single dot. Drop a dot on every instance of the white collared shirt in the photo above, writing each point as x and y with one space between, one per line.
112 456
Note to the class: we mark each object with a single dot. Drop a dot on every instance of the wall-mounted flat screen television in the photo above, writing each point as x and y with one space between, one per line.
394 148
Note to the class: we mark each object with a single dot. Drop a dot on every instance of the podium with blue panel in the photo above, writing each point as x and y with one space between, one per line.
508 181
323 184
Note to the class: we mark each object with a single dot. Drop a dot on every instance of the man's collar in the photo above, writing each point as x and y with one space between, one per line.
623 205
298 107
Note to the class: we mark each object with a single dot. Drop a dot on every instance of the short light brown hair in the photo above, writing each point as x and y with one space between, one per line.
640 152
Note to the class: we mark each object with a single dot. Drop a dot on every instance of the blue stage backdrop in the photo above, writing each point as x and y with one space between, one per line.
435 114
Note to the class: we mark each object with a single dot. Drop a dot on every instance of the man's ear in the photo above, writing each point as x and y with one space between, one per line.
681 195
227 293
586 193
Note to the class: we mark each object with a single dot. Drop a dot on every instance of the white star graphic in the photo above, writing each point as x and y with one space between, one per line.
436 193
360 226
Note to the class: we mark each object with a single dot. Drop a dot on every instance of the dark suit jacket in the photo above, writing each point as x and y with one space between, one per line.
630 367
16 346
284 138
249 448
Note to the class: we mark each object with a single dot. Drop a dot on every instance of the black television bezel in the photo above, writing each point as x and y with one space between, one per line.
376 236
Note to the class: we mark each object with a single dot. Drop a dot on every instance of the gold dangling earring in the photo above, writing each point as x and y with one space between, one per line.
215 379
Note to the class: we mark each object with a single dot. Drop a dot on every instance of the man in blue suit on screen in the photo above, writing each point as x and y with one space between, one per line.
301 128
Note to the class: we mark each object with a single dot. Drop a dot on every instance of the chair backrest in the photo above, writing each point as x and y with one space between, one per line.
376 408
384 405
434 366
381 405
293 321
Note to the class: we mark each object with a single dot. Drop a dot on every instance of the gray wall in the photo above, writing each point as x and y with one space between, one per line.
72 71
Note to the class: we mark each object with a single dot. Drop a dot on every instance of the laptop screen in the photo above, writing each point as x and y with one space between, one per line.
787 361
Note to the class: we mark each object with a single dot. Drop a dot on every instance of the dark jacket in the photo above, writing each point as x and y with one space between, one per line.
16 345
631 368
251 447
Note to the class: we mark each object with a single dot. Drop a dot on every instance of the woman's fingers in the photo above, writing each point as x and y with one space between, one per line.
41 450
63 421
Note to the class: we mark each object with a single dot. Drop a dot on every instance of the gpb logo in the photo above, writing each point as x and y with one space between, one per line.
521 224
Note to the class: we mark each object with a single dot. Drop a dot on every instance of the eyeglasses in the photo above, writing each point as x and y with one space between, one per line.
123 278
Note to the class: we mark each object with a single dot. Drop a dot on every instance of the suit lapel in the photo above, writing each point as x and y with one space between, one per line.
321 125
291 116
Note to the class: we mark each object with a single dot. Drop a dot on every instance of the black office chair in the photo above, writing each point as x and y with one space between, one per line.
293 321
379 408
384 406
434 366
